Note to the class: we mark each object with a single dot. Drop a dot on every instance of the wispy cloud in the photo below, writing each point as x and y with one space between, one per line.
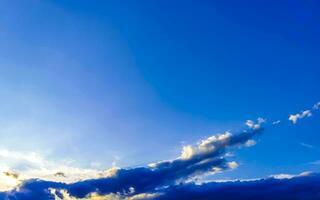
316 106
309 146
276 122
317 162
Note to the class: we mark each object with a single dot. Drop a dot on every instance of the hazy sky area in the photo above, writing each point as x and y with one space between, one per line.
101 84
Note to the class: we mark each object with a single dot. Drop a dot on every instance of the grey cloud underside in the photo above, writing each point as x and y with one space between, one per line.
296 188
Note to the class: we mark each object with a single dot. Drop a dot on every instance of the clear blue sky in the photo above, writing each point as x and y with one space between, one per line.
132 81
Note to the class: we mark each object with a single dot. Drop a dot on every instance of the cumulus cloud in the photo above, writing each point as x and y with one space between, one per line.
294 118
207 157
250 143
255 125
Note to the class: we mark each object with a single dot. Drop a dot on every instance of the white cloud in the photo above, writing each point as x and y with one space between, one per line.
233 165
207 145
257 125
289 176
187 152
32 165
294 118
316 106
250 143
211 142
282 176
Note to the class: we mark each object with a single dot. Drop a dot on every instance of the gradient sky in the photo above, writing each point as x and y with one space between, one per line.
103 83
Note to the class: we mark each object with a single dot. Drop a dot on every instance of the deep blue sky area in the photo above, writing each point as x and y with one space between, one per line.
132 81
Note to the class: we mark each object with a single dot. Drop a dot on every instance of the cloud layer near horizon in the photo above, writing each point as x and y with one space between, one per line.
299 187
172 179
207 157
304 186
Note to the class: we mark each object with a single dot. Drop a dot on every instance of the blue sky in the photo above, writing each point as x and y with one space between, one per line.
128 83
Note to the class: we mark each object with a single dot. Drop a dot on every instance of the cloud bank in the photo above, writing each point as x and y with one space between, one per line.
300 187
305 186
207 157
172 179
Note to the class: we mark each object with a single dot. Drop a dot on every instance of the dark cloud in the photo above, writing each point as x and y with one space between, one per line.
14 175
60 174
297 188
32 190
